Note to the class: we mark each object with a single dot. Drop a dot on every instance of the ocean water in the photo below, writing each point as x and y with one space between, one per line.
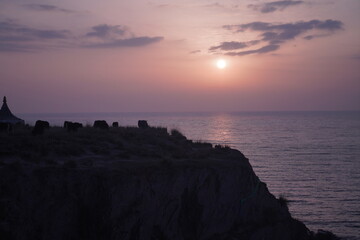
311 158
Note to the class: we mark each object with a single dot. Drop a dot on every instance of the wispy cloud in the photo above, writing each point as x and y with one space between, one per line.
274 6
221 6
218 6
47 8
355 56
117 36
274 35
107 31
15 37
313 36
165 5
287 31
12 31
265 49
15 47
128 42
233 45
195 52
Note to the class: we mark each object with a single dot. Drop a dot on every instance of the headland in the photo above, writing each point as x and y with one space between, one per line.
134 183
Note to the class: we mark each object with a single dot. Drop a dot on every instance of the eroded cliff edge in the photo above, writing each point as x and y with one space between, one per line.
130 183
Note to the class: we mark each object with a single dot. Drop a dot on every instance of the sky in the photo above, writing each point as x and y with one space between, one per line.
161 55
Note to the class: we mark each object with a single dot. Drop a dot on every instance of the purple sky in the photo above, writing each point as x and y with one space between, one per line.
128 56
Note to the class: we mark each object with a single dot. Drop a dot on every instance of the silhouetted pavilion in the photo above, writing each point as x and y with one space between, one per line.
7 117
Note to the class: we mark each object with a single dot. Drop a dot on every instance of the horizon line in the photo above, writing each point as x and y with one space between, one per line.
217 112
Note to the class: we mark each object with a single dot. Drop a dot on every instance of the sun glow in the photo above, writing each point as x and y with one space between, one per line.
221 64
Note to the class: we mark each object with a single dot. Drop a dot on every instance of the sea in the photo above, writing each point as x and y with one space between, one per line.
310 158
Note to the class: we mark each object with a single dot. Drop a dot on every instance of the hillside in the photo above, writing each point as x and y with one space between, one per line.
132 183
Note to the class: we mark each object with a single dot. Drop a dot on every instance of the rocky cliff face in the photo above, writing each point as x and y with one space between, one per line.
134 197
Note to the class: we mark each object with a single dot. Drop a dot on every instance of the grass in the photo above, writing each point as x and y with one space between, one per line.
284 202
57 146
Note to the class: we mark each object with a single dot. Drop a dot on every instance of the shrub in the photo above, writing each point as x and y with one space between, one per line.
325 235
219 146
177 134
202 144
284 202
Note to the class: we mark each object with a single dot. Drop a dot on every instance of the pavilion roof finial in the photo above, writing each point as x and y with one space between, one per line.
6 116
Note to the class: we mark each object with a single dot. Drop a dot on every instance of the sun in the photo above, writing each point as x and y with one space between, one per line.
221 63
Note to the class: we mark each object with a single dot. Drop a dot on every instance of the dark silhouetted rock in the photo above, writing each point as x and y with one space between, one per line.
115 124
66 124
325 235
177 134
143 124
72 126
40 127
101 124
209 194
78 125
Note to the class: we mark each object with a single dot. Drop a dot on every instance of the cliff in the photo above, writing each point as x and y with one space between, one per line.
130 183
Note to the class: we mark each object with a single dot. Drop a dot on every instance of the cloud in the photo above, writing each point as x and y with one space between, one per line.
233 45
221 7
165 5
287 31
128 42
274 6
15 37
13 47
195 52
263 26
311 37
214 5
355 57
107 31
12 32
217 6
274 35
116 36
46 7
265 49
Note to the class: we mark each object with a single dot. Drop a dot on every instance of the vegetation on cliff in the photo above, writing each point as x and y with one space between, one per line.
56 146
134 183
